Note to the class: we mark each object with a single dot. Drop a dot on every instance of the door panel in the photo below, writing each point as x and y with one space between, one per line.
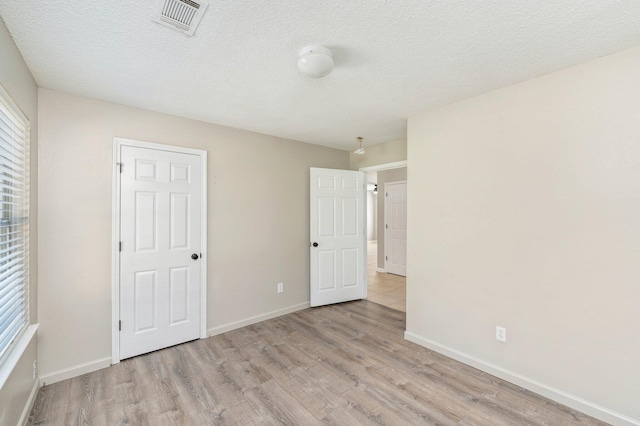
350 217
160 221
349 267
326 269
146 217
337 225
145 293
395 206
179 297
326 217
179 220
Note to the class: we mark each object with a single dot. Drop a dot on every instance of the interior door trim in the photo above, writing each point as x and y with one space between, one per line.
385 166
115 236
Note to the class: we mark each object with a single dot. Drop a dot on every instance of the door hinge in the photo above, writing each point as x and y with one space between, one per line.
119 245
386 226
386 194
119 325
386 258
120 165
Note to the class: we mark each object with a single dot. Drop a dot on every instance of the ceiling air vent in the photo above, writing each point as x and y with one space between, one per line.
181 15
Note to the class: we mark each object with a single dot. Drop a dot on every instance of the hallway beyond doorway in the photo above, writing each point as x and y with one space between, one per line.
385 289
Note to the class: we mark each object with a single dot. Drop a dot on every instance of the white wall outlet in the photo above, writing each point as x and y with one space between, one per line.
280 287
501 333
35 369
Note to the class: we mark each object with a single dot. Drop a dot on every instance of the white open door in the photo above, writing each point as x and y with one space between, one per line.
161 246
395 227
338 236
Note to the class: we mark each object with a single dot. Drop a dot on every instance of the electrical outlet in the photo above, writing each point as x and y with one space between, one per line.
501 333
280 287
35 369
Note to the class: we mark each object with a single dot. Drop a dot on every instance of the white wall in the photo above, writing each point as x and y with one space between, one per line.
16 79
524 212
258 219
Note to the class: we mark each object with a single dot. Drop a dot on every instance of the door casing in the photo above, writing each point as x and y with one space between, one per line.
379 168
115 241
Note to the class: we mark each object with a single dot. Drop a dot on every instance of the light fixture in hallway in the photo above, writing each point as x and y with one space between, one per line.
360 150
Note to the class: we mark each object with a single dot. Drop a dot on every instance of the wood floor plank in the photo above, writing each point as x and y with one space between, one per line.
380 361
345 364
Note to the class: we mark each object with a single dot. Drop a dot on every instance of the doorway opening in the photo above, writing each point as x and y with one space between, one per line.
385 287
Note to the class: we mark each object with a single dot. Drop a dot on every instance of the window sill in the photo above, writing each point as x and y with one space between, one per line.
16 353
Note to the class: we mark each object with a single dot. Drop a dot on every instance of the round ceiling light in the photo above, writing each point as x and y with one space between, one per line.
315 61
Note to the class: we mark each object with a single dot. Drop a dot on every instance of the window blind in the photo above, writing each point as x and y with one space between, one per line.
14 223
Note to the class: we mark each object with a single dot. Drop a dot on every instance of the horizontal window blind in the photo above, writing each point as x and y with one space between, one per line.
14 224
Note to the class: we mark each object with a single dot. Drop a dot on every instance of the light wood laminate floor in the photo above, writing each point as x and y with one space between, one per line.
345 364
385 289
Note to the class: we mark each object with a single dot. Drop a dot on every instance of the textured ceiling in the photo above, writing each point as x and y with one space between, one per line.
393 58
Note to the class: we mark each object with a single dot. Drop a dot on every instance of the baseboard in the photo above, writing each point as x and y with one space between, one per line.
381 270
258 318
557 395
98 364
24 418
78 370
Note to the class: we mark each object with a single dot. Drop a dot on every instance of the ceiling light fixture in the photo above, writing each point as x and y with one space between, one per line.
360 150
315 61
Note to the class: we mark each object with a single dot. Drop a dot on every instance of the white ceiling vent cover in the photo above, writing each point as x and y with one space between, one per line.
181 15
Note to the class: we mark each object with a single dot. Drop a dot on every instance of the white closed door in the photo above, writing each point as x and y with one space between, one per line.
337 236
395 231
160 222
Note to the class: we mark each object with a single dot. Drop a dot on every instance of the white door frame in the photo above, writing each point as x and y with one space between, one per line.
386 166
379 168
115 237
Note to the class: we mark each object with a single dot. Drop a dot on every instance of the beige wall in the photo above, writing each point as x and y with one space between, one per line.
524 212
258 219
388 152
16 78
384 176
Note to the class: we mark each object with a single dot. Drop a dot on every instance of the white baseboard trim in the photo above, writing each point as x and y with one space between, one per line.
98 364
381 270
258 318
557 395
24 417
78 370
